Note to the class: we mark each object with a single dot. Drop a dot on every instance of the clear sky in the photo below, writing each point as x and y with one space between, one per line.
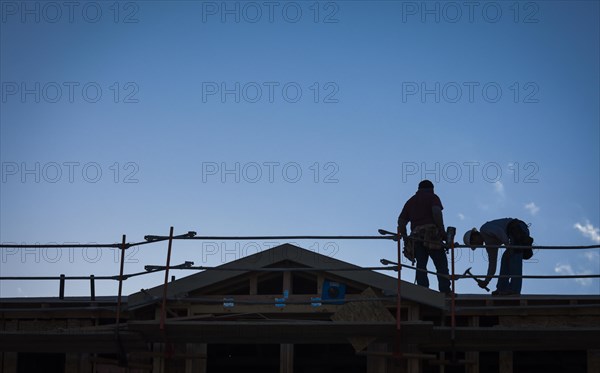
274 118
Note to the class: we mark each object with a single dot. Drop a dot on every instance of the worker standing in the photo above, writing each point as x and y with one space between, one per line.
424 212
507 231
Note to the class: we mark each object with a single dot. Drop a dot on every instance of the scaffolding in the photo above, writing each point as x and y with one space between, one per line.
387 265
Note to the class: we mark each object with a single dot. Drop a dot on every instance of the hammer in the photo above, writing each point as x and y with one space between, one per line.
469 274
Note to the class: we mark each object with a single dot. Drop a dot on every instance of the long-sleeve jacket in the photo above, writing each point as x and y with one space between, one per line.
494 232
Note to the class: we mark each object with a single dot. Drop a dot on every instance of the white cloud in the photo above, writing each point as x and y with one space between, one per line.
499 188
461 216
591 256
563 269
585 281
589 231
566 269
532 208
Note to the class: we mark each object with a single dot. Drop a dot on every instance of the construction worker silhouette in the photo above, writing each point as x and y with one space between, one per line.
424 212
507 231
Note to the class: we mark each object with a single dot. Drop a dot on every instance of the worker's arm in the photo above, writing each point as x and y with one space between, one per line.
402 226
492 264
438 219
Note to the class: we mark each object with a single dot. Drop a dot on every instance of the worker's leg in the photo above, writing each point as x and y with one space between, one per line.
422 258
515 269
440 260
502 284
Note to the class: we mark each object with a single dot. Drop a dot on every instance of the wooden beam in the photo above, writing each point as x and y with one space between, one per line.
252 332
86 366
320 281
9 362
414 312
473 356
286 358
548 311
71 363
289 308
505 362
593 361
376 362
287 282
60 314
196 363
61 341
114 362
158 361
265 304
413 365
253 284
212 299
513 339
423 335
173 355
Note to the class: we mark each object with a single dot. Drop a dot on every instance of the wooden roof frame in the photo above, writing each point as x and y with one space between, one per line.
309 259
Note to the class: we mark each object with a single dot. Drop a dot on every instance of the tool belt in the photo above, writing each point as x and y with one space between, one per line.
519 236
429 235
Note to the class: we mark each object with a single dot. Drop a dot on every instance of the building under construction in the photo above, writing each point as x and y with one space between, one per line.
288 310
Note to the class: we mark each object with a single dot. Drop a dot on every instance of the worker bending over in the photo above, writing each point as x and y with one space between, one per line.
500 232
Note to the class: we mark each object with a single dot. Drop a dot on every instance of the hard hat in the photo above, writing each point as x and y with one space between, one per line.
467 236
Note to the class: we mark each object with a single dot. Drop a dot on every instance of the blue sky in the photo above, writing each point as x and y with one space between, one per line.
240 118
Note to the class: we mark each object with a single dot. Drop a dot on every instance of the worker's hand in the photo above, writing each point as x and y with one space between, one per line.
483 284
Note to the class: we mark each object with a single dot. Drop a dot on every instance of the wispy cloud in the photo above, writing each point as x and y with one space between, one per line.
495 201
483 206
499 188
591 256
588 230
532 208
566 269
461 216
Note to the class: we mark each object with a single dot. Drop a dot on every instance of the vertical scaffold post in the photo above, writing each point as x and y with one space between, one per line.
398 344
92 288
451 232
164 299
123 246
122 357
61 287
